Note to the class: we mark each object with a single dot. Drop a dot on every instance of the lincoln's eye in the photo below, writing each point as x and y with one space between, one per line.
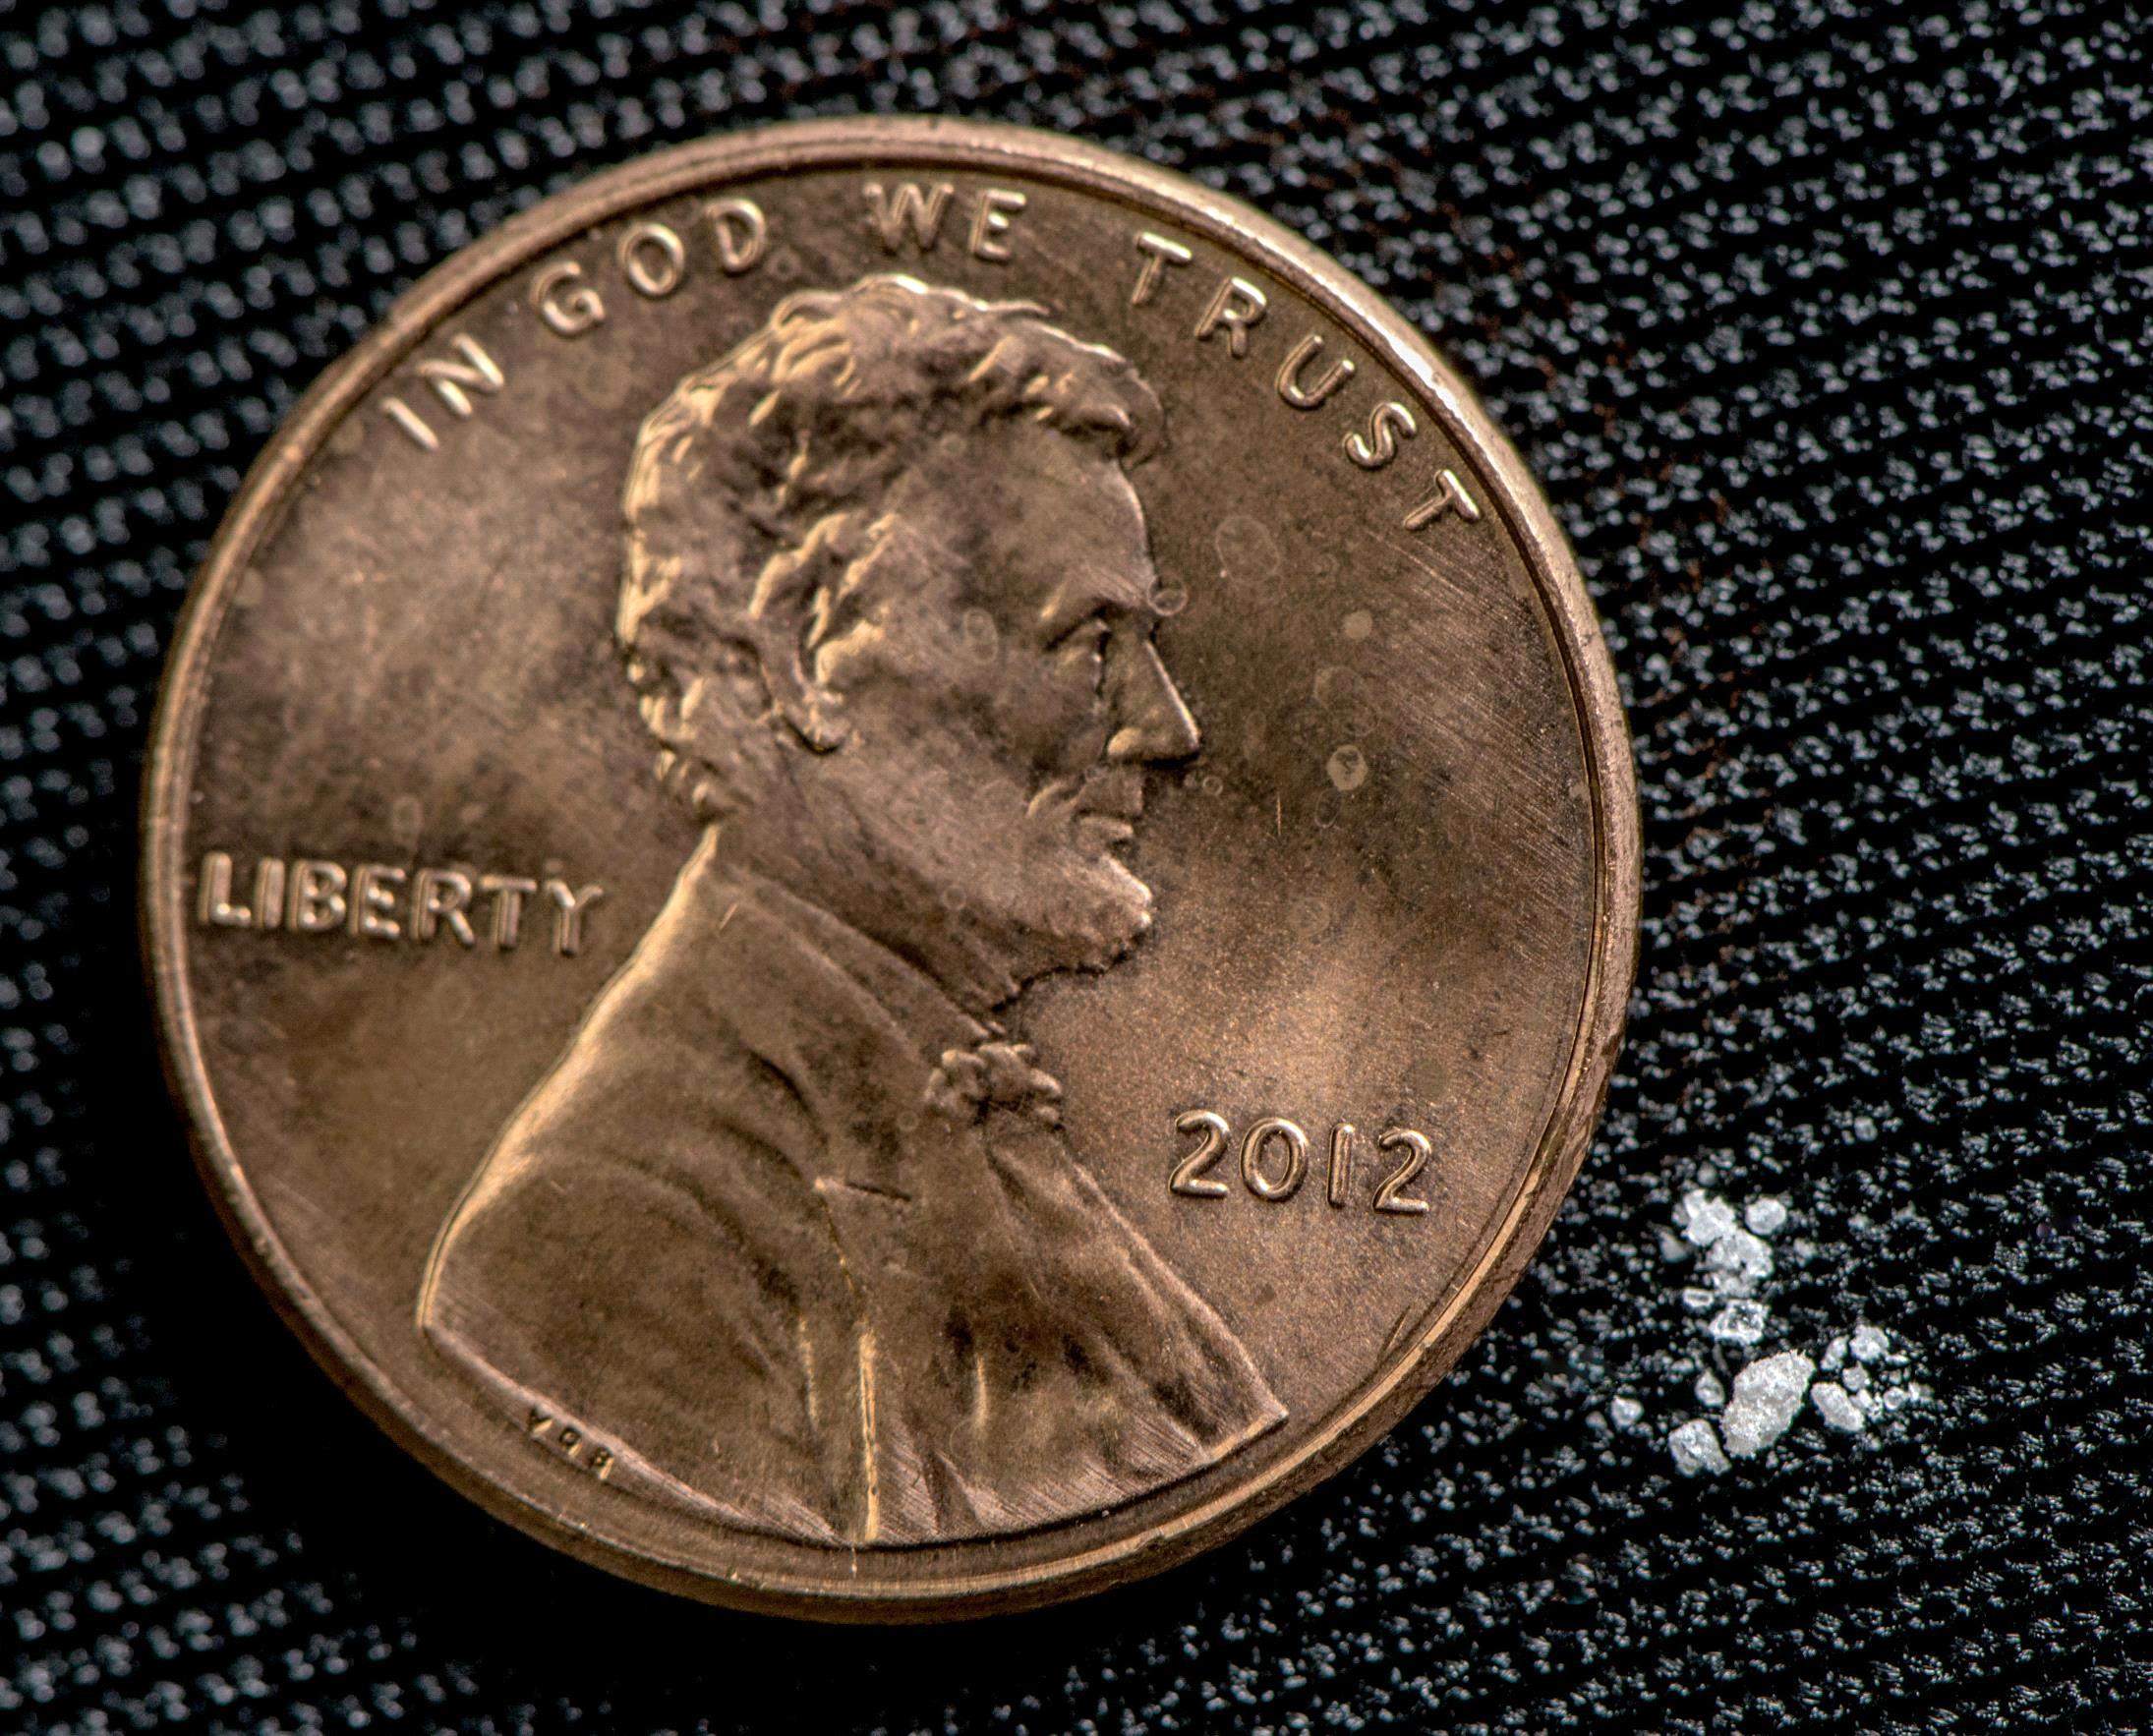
1100 635
1087 641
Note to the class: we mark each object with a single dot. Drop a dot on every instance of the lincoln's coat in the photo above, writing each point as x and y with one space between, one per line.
799 1244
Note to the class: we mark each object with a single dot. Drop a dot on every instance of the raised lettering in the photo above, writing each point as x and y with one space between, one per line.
215 904
454 382
368 899
317 896
1159 253
438 895
907 209
373 897
1303 397
997 208
1266 1137
1188 1173
1388 422
1391 1196
269 892
409 419
739 232
569 914
508 891
1236 306
652 259
568 312
1342 1137
1270 1128
1449 497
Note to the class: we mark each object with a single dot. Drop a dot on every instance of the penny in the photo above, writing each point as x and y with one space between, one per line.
891 868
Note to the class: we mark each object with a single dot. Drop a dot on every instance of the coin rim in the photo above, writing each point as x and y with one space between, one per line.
1400 1380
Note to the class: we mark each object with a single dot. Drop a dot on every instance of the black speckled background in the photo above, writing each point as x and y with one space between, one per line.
1826 327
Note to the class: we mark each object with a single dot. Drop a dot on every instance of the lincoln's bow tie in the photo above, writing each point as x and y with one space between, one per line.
993 1074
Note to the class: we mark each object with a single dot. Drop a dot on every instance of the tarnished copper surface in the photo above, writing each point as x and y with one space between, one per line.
891 868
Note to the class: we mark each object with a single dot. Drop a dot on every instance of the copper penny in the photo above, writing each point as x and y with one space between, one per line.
891 868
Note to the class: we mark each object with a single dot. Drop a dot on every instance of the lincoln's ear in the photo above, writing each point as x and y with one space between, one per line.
812 710
783 616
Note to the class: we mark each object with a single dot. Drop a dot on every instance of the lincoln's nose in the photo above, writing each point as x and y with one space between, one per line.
1152 721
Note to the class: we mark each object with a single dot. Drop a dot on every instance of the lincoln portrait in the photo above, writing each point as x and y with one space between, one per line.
793 1232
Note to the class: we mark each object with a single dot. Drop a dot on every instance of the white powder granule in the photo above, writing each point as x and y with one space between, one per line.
1696 1447
1703 1218
1766 1395
1738 1261
1727 1297
1739 1322
1837 1410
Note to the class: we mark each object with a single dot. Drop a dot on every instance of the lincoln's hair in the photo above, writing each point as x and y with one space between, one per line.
755 495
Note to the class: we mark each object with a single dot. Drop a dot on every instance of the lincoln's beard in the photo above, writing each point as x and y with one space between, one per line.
983 882
1067 901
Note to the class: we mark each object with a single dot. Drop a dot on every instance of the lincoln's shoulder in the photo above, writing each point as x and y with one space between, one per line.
679 1016
657 1071
747 1032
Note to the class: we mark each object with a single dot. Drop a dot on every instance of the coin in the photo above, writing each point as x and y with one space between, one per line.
891 868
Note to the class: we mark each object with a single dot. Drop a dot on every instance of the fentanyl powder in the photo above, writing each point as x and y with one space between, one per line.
1696 1448
1734 1262
1766 1395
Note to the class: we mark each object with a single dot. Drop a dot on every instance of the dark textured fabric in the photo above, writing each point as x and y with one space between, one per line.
1827 328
